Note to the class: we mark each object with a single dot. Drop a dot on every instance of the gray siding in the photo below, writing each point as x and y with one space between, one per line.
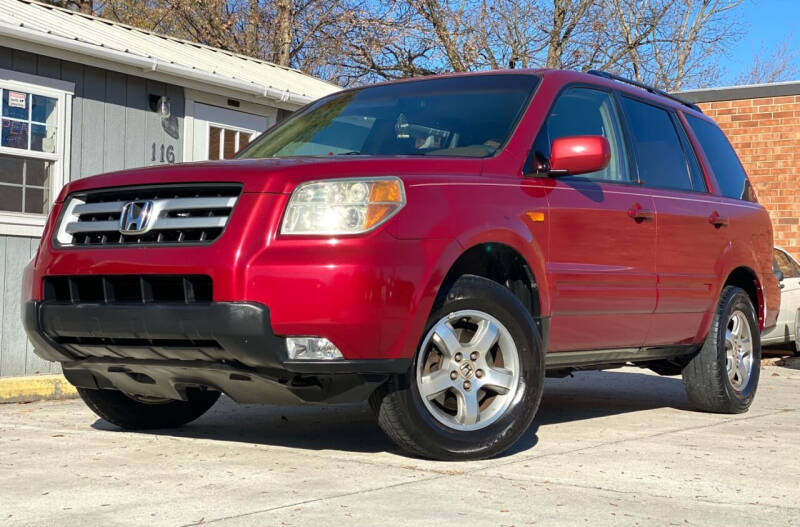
112 126
16 353
112 129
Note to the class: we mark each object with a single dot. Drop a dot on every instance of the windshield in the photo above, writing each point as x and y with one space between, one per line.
470 116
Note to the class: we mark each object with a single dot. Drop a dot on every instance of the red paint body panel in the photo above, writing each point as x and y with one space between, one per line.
601 264
605 278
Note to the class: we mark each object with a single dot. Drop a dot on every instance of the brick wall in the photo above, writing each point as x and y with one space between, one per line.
766 135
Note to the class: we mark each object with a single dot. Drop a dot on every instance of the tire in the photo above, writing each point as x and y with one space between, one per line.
453 425
131 414
709 385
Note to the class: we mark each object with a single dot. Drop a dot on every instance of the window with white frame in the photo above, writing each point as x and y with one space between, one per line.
34 114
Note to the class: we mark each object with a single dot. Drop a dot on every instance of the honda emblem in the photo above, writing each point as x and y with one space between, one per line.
135 217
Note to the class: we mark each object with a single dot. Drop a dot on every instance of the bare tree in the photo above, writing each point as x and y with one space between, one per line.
84 6
688 40
776 65
669 43
283 33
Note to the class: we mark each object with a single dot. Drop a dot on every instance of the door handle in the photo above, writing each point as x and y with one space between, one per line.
717 221
640 214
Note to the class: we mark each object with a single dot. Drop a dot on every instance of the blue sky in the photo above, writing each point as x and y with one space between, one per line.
765 23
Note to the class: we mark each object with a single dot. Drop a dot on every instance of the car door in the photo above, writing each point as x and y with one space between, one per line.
688 244
790 298
601 264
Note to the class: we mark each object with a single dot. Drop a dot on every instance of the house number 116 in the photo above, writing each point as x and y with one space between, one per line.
166 153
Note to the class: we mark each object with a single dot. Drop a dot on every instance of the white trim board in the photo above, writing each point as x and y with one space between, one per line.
21 224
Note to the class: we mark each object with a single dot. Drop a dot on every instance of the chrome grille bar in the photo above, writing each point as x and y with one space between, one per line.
77 227
179 215
110 207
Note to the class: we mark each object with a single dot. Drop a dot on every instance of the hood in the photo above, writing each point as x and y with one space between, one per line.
279 175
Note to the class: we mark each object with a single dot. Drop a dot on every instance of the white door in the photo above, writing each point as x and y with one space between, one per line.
790 299
220 132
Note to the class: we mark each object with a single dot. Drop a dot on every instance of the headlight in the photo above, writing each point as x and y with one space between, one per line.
342 206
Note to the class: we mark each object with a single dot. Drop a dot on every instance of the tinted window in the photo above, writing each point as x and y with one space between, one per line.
583 111
695 172
659 153
785 264
459 116
726 166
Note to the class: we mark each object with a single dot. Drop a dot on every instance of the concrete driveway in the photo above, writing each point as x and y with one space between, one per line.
608 448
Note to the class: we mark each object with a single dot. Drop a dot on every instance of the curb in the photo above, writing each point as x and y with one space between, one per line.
38 388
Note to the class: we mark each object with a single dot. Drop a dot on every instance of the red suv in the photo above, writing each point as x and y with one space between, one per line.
435 245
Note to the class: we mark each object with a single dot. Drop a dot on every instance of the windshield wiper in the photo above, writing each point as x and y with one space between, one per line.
349 153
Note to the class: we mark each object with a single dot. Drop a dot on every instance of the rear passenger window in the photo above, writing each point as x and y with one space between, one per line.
583 111
727 169
659 153
695 172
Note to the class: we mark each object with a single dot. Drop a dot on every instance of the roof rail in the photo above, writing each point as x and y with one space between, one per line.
651 89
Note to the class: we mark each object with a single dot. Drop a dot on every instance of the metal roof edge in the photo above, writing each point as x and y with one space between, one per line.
748 91
146 63
175 39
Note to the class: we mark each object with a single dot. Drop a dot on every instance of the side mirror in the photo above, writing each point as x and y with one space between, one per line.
579 154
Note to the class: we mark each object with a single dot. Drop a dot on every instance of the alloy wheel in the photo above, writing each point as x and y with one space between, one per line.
738 350
468 372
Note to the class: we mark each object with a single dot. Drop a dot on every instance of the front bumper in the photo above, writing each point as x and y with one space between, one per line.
159 350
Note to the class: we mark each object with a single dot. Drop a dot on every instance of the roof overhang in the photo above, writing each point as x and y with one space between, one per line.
751 91
67 49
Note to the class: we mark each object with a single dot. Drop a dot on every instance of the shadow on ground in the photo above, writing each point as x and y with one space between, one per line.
587 395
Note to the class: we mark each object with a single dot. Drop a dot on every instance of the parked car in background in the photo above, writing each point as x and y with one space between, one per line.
434 245
785 332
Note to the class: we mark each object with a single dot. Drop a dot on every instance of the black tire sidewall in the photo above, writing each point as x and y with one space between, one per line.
483 295
126 412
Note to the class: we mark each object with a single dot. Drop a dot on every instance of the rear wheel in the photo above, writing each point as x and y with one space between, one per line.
723 376
141 413
476 381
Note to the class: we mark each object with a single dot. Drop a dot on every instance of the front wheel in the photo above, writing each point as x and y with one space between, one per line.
476 381
723 376
139 413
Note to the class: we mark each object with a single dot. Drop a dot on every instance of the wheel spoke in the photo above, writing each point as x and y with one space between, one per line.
737 327
499 380
742 373
728 339
433 384
445 339
468 410
486 336
730 366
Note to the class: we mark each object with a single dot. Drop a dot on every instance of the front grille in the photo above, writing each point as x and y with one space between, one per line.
179 214
139 289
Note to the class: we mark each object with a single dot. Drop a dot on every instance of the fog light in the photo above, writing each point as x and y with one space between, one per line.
312 348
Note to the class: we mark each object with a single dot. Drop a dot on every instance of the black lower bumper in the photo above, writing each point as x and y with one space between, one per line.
161 349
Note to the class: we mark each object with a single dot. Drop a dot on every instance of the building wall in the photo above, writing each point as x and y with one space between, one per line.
16 353
765 132
112 128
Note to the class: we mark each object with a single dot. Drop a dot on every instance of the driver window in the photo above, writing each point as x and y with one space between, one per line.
584 111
